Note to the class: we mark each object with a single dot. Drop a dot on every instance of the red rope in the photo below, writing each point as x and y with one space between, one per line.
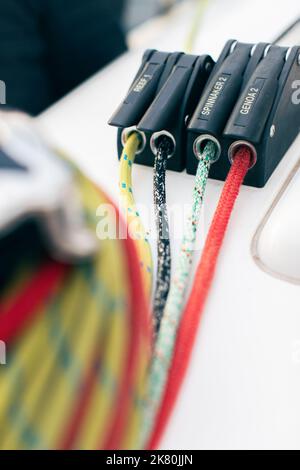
37 291
202 283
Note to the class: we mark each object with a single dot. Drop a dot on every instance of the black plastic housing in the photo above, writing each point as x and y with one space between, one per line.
152 74
222 91
251 95
264 115
165 102
273 120
231 73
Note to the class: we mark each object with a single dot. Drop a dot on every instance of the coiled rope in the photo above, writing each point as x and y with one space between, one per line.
78 353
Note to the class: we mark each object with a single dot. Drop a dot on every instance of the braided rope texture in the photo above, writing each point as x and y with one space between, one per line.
200 290
132 216
163 277
163 350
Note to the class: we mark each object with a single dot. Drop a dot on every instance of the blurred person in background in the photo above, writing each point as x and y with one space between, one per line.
48 47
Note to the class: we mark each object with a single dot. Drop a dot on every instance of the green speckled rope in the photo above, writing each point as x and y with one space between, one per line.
166 338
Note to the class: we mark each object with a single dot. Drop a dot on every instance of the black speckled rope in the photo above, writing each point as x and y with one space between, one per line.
163 240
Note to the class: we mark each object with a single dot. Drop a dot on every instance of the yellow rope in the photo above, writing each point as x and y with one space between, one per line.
134 222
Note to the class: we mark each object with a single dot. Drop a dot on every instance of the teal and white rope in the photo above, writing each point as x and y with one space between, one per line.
163 350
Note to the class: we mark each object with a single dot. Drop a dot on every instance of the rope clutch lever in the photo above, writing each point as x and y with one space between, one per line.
228 78
36 184
174 104
152 74
159 102
266 116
